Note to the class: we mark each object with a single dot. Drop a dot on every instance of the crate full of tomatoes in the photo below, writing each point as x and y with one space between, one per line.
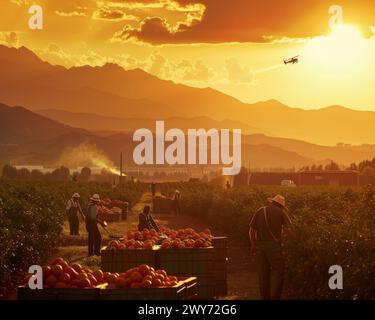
146 283
144 247
113 214
62 281
114 206
134 249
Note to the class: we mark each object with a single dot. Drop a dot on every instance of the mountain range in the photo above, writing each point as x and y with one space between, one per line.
63 108
111 91
30 138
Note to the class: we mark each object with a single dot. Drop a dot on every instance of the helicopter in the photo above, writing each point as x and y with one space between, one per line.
291 60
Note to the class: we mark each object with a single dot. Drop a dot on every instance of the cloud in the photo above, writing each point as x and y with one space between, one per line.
159 20
153 30
239 74
21 3
107 13
58 56
10 39
199 71
217 21
71 13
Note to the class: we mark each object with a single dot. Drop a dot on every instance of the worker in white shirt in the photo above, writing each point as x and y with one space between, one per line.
73 208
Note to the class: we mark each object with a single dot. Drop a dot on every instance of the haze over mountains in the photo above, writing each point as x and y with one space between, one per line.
71 105
30 138
95 122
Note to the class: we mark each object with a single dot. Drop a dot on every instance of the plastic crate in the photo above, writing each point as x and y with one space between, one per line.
186 288
24 293
221 254
220 242
206 287
184 262
197 262
106 258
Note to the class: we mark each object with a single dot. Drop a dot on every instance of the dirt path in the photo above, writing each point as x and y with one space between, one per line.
242 276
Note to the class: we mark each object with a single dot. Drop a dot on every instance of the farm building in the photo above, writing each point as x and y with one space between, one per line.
307 178
272 178
329 178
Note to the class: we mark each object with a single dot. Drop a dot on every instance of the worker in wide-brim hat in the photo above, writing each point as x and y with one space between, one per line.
73 209
95 198
92 220
278 200
267 227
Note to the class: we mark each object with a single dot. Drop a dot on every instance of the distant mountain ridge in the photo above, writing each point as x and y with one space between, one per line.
112 91
19 125
95 122
30 138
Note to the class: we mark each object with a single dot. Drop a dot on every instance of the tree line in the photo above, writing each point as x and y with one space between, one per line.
59 174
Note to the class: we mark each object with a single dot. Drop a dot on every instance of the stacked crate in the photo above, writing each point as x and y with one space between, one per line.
197 262
220 265
106 258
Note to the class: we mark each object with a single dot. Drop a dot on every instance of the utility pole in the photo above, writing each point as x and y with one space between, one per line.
120 181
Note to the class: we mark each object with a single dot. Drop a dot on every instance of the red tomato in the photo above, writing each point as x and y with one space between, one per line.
46 271
146 284
60 285
57 270
77 267
73 274
120 283
65 277
143 270
156 283
51 281
136 276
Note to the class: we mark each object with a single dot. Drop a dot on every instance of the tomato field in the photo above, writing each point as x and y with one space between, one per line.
32 214
332 226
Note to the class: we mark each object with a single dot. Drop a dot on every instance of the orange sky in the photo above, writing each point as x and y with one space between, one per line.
234 46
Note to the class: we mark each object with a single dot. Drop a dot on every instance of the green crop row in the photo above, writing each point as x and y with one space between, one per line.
32 214
331 226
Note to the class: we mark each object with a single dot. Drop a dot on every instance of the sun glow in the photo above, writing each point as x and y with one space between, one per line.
342 51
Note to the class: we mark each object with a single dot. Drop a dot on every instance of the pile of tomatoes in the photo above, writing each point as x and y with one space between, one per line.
112 203
186 238
146 239
59 274
143 276
176 239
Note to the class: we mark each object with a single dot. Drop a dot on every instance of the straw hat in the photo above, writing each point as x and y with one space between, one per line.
95 197
76 195
176 191
279 199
